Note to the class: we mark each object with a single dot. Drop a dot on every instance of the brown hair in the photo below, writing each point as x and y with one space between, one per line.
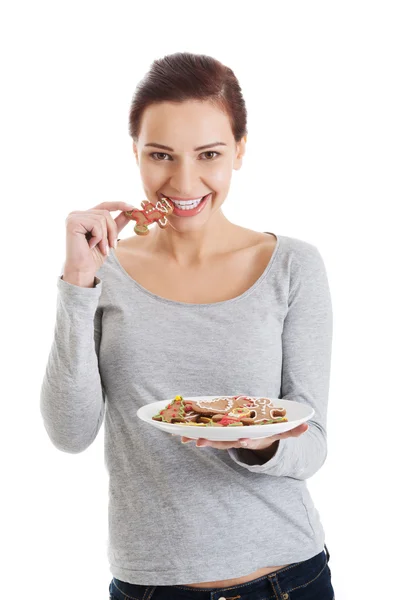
185 76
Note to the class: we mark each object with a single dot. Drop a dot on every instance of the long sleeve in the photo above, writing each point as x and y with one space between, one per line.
72 398
306 365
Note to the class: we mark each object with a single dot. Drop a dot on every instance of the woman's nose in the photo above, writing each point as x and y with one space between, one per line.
185 180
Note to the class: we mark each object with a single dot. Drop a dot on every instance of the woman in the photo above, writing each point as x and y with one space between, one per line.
202 307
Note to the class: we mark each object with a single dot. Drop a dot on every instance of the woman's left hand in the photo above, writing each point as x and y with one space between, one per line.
258 444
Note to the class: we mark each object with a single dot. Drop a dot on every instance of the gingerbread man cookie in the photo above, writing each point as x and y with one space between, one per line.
263 411
259 411
151 213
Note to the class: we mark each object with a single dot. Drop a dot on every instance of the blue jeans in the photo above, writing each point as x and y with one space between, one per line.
306 580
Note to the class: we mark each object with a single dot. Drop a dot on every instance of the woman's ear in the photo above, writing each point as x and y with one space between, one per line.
240 152
135 152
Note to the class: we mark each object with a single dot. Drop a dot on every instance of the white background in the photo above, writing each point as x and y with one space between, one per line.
320 80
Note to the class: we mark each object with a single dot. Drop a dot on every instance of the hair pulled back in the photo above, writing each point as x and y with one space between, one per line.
185 76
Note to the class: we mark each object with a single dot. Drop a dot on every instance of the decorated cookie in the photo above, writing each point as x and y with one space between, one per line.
263 412
220 405
223 411
176 412
151 213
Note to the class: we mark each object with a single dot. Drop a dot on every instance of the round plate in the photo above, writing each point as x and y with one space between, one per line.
296 413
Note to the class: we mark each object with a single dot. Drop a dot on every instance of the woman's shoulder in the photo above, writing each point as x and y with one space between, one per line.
303 249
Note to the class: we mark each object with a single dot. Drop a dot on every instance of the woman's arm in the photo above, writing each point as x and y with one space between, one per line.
266 454
306 363
72 399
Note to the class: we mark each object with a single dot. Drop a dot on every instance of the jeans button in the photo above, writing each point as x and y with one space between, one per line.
285 597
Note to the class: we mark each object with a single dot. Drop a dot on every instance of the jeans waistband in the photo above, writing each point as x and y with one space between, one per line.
282 577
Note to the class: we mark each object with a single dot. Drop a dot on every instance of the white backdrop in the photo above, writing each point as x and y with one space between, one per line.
321 84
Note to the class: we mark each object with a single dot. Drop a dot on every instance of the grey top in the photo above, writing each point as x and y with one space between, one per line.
179 514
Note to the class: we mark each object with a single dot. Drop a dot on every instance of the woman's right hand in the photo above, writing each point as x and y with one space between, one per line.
89 234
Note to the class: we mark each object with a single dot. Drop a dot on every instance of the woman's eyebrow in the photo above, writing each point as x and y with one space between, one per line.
195 149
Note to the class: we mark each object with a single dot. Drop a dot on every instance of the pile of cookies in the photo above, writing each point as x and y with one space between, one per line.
223 411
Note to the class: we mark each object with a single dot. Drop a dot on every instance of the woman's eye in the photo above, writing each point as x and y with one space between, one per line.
158 153
155 154
211 152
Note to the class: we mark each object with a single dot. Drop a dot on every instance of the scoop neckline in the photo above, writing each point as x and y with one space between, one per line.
208 304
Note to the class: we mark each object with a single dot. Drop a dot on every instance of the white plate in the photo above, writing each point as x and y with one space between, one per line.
296 413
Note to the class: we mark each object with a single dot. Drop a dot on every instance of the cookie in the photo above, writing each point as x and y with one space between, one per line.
175 412
263 411
223 411
219 405
151 213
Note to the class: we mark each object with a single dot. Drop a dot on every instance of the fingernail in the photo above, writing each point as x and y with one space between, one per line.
244 444
115 244
107 249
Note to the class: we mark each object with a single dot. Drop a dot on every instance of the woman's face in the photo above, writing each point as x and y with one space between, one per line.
181 171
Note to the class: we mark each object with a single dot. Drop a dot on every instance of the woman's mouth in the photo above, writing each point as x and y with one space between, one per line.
188 208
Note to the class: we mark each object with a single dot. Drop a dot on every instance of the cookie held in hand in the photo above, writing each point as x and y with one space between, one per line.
151 213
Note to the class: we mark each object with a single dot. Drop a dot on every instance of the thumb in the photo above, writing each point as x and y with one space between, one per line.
122 220
297 431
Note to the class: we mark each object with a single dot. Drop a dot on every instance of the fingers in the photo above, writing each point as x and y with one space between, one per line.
112 206
201 442
108 228
297 431
248 443
111 228
122 221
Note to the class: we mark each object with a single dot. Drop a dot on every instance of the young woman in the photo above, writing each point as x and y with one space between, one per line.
203 307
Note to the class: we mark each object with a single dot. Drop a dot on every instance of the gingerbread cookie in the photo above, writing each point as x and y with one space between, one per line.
224 411
219 405
176 412
263 411
151 213
260 412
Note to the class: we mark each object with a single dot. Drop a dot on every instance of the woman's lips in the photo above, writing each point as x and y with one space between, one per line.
191 212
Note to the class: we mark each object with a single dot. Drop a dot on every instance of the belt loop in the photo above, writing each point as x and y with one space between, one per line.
327 553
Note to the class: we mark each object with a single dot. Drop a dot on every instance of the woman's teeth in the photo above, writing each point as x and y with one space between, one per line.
187 205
